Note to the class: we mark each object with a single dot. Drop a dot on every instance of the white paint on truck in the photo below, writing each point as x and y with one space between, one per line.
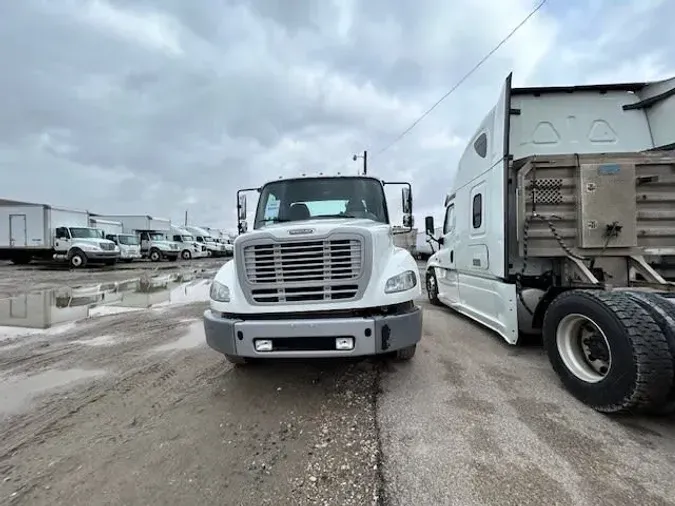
549 171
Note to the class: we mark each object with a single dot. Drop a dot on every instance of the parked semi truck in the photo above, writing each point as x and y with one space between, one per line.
202 236
39 231
153 234
558 197
189 247
128 244
318 276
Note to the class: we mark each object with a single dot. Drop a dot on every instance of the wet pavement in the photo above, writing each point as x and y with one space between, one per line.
109 395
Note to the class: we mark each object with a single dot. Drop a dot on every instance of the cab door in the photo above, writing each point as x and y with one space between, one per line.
448 287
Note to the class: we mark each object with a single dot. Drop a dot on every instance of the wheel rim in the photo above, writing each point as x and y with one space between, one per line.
186 255
584 348
431 286
76 260
154 255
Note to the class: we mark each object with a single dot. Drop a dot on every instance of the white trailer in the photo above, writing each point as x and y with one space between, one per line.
189 247
558 197
39 231
153 234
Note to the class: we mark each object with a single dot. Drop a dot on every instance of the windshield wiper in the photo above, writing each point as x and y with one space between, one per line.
337 216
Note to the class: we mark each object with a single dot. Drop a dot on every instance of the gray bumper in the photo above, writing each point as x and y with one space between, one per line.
372 335
102 255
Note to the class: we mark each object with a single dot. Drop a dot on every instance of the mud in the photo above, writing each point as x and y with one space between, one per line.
109 395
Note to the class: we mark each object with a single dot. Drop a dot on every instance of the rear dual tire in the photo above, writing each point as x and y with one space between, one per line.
608 351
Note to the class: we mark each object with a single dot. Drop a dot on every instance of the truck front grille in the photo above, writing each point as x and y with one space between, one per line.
107 246
304 271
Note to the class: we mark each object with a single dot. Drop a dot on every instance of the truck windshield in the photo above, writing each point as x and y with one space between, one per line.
157 237
128 240
317 198
85 233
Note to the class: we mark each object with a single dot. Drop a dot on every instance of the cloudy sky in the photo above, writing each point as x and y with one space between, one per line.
157 106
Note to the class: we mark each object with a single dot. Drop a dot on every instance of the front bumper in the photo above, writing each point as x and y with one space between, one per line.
373 335
102 255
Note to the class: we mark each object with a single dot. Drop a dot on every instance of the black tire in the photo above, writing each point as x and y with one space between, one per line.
128 260
405 354
21 260
155 255
663 313
640 373
236 360
432 288
186 255
209 253
77 259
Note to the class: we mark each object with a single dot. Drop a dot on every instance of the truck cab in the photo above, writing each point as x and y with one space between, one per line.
156 246
81 245
190 248
203 237
128 244
319 275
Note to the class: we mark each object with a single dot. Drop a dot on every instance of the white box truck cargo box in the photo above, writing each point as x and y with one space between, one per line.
108 226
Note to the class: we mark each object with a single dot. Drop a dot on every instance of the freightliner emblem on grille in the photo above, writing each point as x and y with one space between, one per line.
301 231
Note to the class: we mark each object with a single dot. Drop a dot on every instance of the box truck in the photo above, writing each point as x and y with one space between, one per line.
558 198
153 234
39 231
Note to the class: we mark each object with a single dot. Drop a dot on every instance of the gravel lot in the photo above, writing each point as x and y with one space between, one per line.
128 406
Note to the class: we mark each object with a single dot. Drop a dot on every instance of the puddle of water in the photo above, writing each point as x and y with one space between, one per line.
33 313
17 392
193 338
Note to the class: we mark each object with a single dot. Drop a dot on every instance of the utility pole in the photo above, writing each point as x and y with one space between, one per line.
365 161
186 217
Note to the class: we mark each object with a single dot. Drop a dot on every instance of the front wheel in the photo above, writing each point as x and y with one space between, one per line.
155 256
77 259
608 351
186 255
432 288
236 360
405 354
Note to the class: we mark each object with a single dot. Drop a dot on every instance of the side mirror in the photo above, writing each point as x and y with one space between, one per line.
241 213
408 220
429 225
406 197
243 227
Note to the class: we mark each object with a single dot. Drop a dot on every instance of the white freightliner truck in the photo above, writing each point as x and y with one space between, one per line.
318 276
152 233
39 231
202 236
128 244
189 247
558 198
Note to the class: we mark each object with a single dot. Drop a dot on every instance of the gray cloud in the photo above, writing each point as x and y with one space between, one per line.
155 106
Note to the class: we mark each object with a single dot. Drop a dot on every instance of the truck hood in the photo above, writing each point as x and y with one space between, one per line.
317 227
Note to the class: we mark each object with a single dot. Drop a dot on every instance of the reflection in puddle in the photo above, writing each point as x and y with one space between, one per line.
192 339
16 392
47 308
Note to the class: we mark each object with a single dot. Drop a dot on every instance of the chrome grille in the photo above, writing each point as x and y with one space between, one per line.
301 271
107 246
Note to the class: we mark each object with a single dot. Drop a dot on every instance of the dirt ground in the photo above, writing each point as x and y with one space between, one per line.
127 405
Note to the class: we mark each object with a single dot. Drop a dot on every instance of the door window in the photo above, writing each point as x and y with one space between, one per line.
449 223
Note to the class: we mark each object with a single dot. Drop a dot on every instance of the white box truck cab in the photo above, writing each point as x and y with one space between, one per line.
128 244
558 197
318 276
213 249
189 247
38 231
152 233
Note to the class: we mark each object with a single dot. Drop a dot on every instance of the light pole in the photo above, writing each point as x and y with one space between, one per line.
365 161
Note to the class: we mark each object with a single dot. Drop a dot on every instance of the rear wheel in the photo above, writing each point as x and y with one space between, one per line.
608 351
663 313
21 260
432 288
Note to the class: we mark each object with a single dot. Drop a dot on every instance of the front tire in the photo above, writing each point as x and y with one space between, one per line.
236 360
77 259
405 354
186 255
432 288
155 255
608 351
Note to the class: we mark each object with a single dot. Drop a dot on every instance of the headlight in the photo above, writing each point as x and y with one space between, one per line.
219 292
401 282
